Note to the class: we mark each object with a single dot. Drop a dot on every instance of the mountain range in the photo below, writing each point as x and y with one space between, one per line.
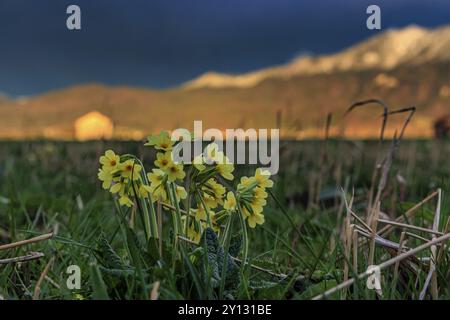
403 67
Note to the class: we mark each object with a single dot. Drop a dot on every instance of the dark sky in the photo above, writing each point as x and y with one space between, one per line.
162 43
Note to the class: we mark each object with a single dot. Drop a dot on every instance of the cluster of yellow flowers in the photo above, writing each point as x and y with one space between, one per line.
252 195
125 176
167 171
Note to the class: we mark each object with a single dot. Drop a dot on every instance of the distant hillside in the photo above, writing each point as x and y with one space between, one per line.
403 68
391 49
303 103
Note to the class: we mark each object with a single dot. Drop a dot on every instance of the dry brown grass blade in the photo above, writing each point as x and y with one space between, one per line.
380 141
369 102
442 249
433 260
397 264
383 265
37 288
355 250
411 111
29 257
427 283
155 291
374 224
27 241
410 226
408 214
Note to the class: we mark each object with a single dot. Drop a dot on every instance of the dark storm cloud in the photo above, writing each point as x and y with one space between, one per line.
162 43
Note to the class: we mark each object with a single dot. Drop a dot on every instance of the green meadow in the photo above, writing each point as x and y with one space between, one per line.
320 227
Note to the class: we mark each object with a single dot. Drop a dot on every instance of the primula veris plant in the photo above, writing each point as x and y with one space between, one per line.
205 194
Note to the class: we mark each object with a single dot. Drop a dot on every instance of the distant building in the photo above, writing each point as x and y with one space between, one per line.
442 127
93 126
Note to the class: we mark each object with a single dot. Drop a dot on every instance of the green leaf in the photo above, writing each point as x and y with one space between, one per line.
99 289
107 256
217 259
235 245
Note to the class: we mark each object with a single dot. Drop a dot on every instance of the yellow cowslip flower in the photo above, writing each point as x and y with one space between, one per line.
180 193
255 218
125 201
262 177
213 154
219 190
157 189
200 213
163 160
119 186
225 168
199 163
161 141
144 190
246 183
110 161
175 171
156 176
257 204
210 201
158 193
213 193
230 202
193 234
260 193
130 169
106 177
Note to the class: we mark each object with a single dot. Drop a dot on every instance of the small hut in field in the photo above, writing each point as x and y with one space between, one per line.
93 126
442 127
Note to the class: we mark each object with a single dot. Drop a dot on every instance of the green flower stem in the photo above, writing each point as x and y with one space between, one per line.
226 245
150 222
151 218
244 236
177 207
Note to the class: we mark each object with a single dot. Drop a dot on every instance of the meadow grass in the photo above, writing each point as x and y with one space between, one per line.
301 250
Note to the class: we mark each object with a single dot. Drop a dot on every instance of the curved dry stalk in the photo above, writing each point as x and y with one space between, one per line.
37 288
378 163
372 101
411 110
27 241
28 257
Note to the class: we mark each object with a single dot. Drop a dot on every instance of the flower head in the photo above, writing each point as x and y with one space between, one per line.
106 177
130 169
175 171
213 193
254 219
230 202
212 153
119 186
161 141
180 192
163 160
225 168
262 177
125 201
156 177
144 190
